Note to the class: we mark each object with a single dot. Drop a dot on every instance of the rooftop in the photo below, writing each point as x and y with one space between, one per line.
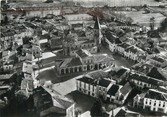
83 53
134 49
45 99
104 82
126 88
146 79
113 90
86 80
124 45
154 94
98 74
5 76
70 62
159 59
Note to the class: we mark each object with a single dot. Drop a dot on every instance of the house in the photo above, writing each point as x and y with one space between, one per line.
78 18
133 53
5 55
111 93
41 11
142 81
123 112
93 86
151 100
8 67
122 47
44 43
7 37
27 70
157 61
36 51
141 67
112 41
27 85
55 42
126 39
78 26
87 86
49 103
134 27
151 71
119 74
83 62
123 93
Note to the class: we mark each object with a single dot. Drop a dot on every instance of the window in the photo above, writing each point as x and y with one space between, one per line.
155 103
146 101
164 104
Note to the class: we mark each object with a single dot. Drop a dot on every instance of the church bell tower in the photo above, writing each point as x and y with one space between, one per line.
97 34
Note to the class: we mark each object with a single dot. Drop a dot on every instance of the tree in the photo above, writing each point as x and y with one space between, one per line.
96 109
21 96
163 26
129 20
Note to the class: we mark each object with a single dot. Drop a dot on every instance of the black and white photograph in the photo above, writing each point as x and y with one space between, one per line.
83 58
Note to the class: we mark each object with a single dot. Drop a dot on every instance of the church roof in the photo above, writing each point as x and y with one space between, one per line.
97 24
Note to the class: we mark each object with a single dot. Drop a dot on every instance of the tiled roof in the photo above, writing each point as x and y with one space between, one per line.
117 74
55 42
157 73
70 62
53 111
66 104
121 71
27 84
74 62
77 25
104 82
126 113
42 99
98 74
146 79
126 89
86 80
144 68
5 76
83 53
124 45
27 67
113 90
121 113
102 58
155 94
45 99
134 49
159 59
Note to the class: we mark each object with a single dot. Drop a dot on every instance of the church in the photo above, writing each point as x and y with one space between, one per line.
90 42
81 53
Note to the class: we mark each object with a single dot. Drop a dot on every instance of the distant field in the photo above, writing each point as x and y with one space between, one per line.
145 18
119 2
